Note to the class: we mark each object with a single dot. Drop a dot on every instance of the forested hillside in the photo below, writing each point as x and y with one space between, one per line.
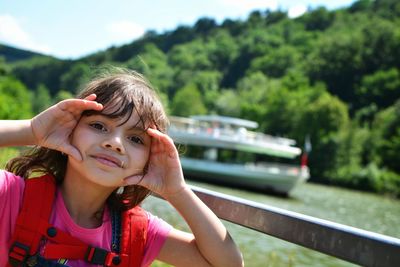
11 54
330 75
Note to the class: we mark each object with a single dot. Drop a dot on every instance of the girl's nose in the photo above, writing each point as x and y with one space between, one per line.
114 143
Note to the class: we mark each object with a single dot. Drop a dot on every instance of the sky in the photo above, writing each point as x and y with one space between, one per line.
75 28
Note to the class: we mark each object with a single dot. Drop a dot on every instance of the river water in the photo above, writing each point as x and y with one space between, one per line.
358 209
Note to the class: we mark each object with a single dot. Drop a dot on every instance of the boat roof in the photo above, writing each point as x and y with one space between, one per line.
226 120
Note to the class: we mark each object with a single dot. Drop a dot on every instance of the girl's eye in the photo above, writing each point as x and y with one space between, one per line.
98 126
136 139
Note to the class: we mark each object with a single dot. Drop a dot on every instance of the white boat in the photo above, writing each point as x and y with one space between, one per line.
225 150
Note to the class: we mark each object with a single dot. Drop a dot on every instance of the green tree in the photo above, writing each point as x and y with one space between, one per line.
41 99
386 138
381 42
190 56
276 63
325 118
253 90
228 104
381 88
348 165
360 5
337 60
222 49
4 68
205 25
389 9
318 19
188 101
15 99
272 17
62 95
75 77
153 63
41 70
208 84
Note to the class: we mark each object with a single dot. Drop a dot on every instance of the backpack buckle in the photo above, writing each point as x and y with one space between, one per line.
18 254
96 256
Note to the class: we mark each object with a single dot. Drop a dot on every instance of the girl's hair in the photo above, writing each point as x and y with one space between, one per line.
122 93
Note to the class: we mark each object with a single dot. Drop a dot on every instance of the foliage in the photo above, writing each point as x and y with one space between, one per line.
11 54
381 87
386 133
41 70
188 101
152 62
62 95
75 77
4 68
277 62
14 99
318 19
228 103
7 153
41 99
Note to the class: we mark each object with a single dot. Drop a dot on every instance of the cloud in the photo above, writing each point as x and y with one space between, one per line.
11 33
296 11
124 31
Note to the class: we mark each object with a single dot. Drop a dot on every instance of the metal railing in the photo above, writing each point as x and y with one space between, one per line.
347 243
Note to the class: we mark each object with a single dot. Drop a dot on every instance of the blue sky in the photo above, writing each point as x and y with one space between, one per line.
74 28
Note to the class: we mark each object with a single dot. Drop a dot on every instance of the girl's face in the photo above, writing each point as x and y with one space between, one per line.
111 149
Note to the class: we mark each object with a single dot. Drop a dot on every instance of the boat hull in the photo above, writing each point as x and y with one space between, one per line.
277 178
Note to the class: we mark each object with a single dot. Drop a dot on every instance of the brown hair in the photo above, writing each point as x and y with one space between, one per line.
122 92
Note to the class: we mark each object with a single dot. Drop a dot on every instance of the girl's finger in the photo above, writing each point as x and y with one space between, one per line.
89 104
154 133
91 97
89 100
163 143
159 136
77 106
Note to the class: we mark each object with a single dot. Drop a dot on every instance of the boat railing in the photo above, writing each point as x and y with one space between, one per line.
281 168
256 136
239 134
198 126
344 242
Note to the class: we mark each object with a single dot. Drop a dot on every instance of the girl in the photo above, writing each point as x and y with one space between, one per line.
107 151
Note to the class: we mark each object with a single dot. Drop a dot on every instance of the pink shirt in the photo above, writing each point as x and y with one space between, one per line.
11 193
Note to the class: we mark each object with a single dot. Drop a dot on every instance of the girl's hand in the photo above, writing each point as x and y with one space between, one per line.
52 127
164 174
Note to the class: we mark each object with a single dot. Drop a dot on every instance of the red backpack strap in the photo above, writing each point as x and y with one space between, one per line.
134 234
33 224
133 240
36 208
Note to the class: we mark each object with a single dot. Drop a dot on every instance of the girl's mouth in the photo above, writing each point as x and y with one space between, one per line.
108 160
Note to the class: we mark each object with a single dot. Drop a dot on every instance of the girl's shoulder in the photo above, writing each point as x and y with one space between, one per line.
156 222
11 194
10 183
